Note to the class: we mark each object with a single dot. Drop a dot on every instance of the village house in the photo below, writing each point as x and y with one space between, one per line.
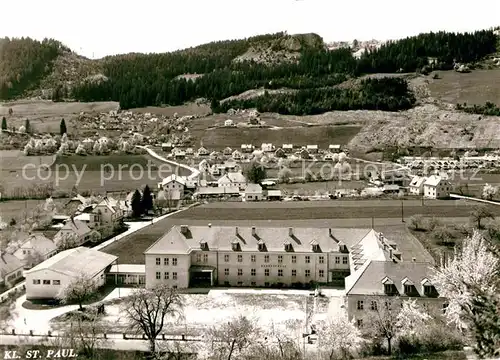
280 153
304 154
229 123
167 146
35 249
174 187
227 151
11 269
47 279
107 213
267 147
179 153
189 151
216 170
236 155
203 166
288 148
274 195
246 148
231 166
416 186
312 149
435 187
253 192
232 179
334 148
74 233
203 152
215 155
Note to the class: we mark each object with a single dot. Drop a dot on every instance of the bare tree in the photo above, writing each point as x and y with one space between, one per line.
147 310
235 336
80 290
279 343
86 330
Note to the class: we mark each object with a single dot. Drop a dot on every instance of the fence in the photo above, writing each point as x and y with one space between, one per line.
120 336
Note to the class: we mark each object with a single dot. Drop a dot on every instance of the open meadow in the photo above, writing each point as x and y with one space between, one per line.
322 214
219 138
112 173
45 116
182 110
476 87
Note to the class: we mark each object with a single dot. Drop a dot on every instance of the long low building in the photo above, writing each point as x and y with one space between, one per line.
47 279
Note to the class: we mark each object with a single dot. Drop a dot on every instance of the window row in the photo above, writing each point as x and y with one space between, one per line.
46 282
267 272
374 305
166 275
166 261
267 259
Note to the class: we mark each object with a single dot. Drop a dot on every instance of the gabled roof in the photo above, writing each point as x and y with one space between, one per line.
232 177
417 181
368 283
8 264
433 180
77 226
253 189
77 261
174 178
221 237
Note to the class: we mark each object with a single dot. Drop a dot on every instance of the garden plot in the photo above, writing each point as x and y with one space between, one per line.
286 311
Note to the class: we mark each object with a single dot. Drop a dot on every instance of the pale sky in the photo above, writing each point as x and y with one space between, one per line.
96 28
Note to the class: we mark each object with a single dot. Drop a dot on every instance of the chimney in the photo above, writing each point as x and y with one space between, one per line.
290 232
329 232
209 225
253 231
236 231
390 253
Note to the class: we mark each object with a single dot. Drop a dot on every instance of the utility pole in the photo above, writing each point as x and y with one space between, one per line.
373 222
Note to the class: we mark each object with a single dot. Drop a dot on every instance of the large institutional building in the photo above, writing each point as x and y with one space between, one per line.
367 263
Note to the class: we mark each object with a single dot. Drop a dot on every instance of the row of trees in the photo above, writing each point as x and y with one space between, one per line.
487 109
142 203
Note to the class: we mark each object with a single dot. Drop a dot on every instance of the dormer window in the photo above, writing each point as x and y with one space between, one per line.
203 245
428 289
262 245
235 245
315 246
288 246
408 289
389 288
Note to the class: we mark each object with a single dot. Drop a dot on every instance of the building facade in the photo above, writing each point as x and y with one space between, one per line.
192 256
435 187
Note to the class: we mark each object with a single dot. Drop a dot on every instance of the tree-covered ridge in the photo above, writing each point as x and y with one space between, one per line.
24 62
413 53
387 94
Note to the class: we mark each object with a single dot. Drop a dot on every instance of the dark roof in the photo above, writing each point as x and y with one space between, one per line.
9 263
274 238
370 282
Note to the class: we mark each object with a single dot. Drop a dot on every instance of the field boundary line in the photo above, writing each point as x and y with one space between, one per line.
455 196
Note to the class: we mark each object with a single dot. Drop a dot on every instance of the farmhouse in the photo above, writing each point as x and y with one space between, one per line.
435 187
288 148
246 148
227 151
35 249
253 192
167 146
106 213
416 186
74 232
203 152
236 155
179 153
267 147
334 148
232 179
229 123
11 269
312 149
189 151
174 187
47 279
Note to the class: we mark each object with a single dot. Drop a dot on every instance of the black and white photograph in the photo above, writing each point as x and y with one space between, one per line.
250 180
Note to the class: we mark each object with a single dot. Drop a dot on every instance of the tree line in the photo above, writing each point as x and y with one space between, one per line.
487 109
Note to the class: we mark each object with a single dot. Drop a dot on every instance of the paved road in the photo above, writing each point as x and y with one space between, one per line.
194 172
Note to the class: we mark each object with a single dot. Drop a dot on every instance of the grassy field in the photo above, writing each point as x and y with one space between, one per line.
16 208
111 173
14 160
476 87
45 116
337 213
233 137
188 109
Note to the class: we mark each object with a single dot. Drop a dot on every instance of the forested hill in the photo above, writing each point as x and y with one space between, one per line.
218 70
